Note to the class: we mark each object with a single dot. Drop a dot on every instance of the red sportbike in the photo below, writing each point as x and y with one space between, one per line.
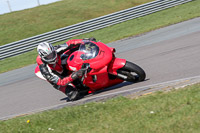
102 68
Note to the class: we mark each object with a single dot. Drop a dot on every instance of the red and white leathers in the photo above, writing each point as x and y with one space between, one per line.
57 68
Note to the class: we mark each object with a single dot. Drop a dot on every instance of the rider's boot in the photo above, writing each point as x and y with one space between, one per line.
72 92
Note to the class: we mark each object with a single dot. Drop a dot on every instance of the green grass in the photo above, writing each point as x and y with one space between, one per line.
130 28
173 112
23 24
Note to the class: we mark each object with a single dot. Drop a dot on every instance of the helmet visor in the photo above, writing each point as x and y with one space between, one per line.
51 56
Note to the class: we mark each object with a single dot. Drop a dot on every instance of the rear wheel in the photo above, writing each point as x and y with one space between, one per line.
131 72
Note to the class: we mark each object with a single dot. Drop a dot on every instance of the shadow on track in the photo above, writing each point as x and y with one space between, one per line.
125 83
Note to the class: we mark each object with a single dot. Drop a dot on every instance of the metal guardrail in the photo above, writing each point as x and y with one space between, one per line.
25 45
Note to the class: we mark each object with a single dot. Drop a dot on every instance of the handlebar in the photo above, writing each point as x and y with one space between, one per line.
86 67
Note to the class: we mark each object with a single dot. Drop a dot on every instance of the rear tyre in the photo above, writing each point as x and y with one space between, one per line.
131 72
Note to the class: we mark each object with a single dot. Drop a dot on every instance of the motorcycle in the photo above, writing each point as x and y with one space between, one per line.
101 68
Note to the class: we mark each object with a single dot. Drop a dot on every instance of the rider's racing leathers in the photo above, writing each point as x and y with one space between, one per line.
58 74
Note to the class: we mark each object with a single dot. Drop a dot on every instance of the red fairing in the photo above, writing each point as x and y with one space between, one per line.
116 64
103 58
102 81
102 65
112 50
74 41
99 62
75 62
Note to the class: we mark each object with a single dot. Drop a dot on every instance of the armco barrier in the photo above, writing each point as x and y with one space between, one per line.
25 45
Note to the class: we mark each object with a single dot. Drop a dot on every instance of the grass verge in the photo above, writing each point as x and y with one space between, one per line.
171 112
130 28
23 24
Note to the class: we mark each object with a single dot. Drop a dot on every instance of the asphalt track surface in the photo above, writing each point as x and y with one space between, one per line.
168 54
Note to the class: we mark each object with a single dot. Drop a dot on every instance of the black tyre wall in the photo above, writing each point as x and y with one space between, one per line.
131 67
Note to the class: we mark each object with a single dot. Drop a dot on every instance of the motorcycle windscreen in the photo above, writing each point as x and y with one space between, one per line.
89 49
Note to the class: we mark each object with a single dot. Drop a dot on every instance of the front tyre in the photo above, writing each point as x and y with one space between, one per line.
131 72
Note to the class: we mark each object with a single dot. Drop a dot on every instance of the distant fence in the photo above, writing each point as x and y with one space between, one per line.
61 34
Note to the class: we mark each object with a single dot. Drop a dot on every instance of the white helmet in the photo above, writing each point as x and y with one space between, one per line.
47 52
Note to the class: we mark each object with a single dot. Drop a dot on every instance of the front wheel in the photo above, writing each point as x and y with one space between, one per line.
131 72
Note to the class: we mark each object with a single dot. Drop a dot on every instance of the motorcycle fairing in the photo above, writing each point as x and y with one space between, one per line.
97 80
116 64
75 60
103 58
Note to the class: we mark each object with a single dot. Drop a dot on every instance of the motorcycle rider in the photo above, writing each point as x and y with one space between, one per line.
53 67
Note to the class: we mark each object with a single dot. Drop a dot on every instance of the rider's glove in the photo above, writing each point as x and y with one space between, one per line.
47 74
77 74
61 48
